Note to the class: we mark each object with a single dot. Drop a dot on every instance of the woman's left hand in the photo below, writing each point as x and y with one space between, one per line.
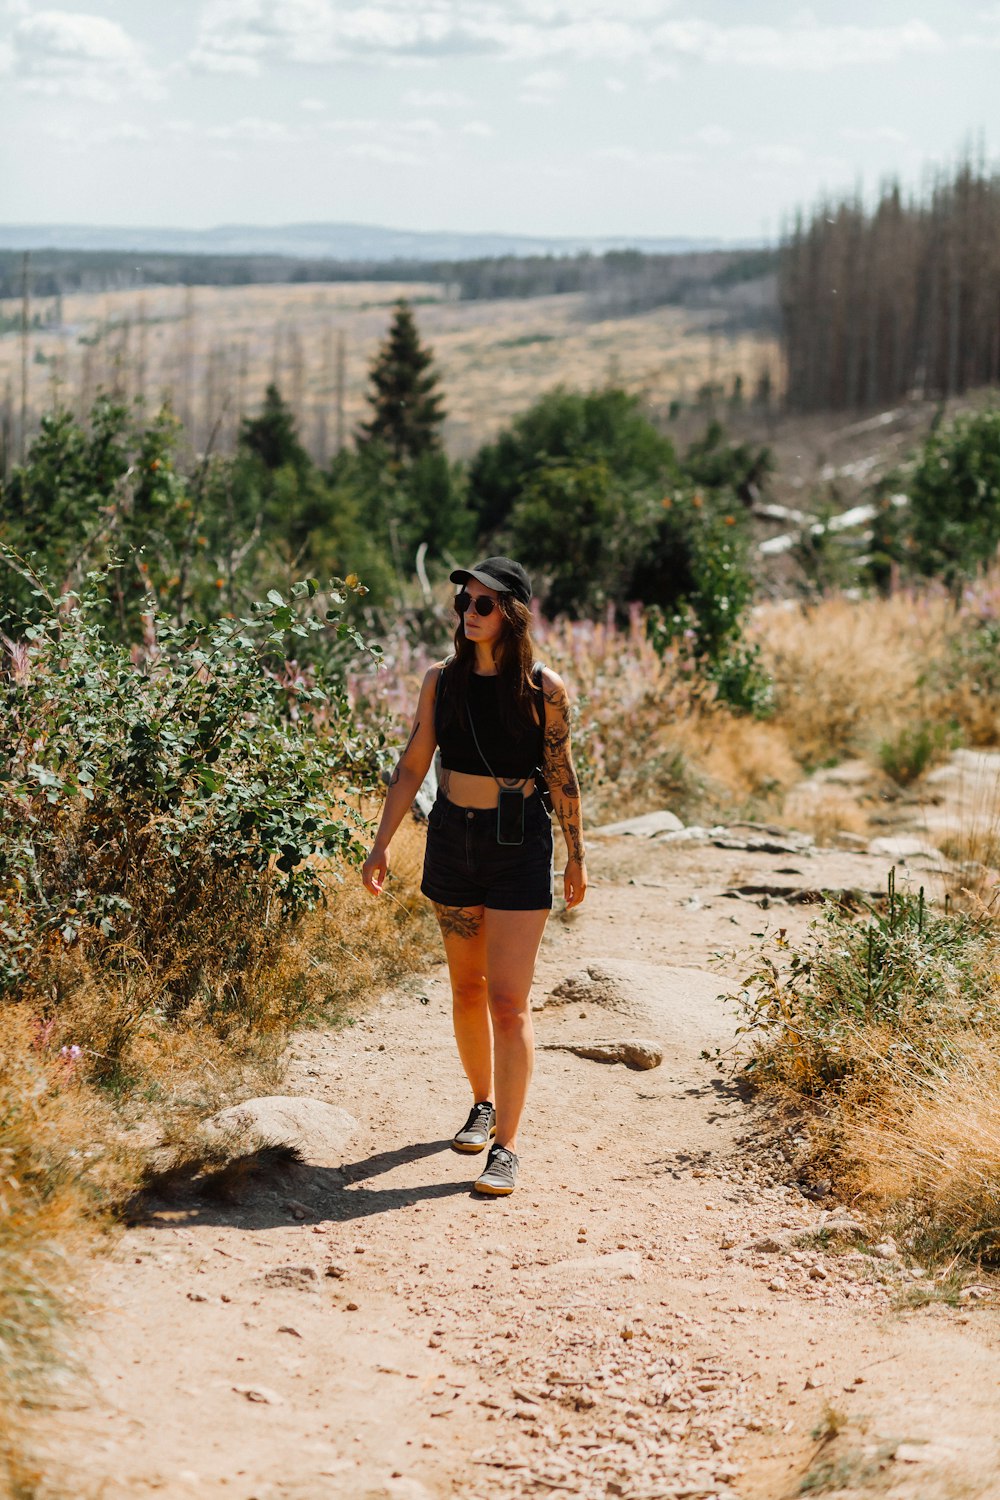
575 882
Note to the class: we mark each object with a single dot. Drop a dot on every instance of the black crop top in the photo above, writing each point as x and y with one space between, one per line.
511 754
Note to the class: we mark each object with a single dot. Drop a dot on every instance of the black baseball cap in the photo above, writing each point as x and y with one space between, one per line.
500 573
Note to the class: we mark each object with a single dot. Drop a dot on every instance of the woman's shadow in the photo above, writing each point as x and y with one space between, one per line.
273 1186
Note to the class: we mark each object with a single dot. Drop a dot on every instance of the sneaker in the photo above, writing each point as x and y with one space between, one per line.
499 1174
478 1130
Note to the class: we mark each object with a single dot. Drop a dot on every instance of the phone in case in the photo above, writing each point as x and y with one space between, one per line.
510 816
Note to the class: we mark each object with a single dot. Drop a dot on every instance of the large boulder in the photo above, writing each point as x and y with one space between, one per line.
317 1130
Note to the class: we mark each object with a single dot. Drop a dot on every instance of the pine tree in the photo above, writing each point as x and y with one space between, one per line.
407 407
272 436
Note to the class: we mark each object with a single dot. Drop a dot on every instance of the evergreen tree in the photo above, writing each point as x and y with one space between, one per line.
272 437
407 408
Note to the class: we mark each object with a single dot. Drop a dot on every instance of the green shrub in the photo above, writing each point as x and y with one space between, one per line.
604 428
860 1000
952 523
913 750
161 818
578 527
710 613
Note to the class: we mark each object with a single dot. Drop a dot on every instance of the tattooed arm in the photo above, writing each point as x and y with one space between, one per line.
563 785
405 782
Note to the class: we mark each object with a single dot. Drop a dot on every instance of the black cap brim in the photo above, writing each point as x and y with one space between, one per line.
462 575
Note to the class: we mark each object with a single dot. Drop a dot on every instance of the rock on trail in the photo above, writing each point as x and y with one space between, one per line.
634 1052
317 1131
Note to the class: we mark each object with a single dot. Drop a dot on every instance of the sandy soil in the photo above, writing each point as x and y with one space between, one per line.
650 1314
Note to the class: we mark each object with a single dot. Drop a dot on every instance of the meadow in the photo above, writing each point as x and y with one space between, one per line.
214 350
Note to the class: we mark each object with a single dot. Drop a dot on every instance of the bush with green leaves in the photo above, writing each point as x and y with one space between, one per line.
163 810
603 428
577 527
110 483
951 526
712 597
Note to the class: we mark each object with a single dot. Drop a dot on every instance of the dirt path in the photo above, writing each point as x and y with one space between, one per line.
639 1320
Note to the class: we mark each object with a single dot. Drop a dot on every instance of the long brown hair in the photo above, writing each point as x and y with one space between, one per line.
514 656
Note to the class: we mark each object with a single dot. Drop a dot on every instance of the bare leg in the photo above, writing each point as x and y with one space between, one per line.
462 929
512 939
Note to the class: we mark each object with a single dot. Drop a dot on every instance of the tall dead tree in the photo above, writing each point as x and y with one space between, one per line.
900 299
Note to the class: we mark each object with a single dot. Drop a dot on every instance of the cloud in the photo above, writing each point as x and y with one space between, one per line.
630 156
478 127
874 134
122 133
253 129
802 46
542 86
777 155
714 135
72 52
436 99
315 106
538 31
547 80
386 155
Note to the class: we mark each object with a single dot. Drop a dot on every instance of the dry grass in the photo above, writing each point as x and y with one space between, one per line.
52 1172
650 733
849 673
931 1158
824 811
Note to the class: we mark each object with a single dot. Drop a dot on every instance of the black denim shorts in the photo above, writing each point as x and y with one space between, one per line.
465 866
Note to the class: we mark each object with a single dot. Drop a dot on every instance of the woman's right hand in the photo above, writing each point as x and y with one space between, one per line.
375 869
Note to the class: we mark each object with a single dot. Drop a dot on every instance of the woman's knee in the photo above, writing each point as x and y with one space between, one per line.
469 994
509 1009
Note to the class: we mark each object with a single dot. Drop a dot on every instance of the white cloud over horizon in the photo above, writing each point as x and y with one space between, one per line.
541 116
70 52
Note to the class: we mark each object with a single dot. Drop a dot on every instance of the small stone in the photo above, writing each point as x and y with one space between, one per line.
259 1393
350 1307
337 1272
301 1277
923 1453
196 1297
287 1328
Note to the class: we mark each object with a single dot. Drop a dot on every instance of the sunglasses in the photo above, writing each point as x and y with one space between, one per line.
482 604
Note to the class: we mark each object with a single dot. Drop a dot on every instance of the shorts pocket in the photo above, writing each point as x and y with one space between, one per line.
435 818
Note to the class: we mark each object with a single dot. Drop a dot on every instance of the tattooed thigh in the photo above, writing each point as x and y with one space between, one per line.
459 921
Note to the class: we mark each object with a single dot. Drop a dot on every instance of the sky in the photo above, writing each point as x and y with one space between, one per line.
714 118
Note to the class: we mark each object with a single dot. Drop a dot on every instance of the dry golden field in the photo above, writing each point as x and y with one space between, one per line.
213 350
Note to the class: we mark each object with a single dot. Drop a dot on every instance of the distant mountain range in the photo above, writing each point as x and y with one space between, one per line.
344 242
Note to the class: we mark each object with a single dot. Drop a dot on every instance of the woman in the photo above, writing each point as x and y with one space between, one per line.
498 719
